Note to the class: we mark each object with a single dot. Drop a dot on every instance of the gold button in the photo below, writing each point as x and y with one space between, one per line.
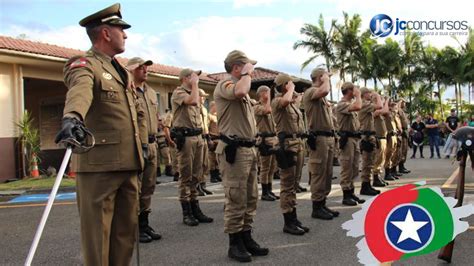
103 141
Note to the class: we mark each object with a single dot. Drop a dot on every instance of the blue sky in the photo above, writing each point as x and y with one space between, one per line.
199 34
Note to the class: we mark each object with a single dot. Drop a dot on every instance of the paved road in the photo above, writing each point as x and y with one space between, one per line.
206 244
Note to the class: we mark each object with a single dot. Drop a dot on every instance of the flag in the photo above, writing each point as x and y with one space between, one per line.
407 221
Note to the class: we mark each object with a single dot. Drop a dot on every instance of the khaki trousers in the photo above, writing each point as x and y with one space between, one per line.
299 165
404 150
321 168
379 157
174 159
165 156
205 163
349 158
368 159
108 210
213 161
397 153
147 181
190 167
390 152
267 168
288 177
240 187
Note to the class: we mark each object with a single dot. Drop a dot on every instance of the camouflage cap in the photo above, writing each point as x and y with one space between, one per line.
283 78
202 93
110 16
237 56
187 71
262 88
136 62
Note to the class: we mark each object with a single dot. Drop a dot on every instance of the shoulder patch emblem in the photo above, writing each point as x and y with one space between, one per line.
107 76
228 84
81 62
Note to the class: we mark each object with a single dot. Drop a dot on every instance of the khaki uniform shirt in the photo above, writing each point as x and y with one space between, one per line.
168 120
235 116
149 101
213 129
398 121
380 128
205 120
390 122
185 115
403 119
346 120
318 112
366 116
109 107
265 122
287 119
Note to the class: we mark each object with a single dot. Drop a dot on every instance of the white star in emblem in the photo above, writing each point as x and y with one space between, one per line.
409 228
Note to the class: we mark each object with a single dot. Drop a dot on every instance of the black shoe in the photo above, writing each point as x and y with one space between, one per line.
144 237
154 235
218 175
334 213
265 194
367 189
203 188
423 157
158 171
302 188
252 246
334 178
290 226
377 182
347 198
276 175
395 173
214 175
176 176
169 170
197 213
199 190
413 157
402 169
237 250
357 199
188 218
336 162
319 212
271 192
145 228
297 190
298 222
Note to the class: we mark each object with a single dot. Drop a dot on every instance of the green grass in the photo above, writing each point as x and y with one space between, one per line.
40 183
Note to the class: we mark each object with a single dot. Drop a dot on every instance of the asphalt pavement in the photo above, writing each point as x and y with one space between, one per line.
206 244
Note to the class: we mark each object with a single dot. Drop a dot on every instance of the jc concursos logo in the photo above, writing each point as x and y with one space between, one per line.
381 25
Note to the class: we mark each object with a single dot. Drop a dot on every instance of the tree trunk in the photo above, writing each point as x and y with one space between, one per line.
457 97
440 101
330 84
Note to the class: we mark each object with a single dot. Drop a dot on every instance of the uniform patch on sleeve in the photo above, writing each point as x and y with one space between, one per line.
80 62
228 84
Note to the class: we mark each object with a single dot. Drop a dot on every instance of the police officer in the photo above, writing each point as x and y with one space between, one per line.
268 141
288 118
186 132
371 102
148 100
101 96
205 151
167 125
404 145
391 142
164 150
237 156
320 143
346 112
212 144
380 151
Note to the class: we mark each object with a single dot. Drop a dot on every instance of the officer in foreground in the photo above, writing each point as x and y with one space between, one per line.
100 95
237 156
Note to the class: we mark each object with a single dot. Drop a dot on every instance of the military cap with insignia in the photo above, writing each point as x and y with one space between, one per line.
237 56
283 78
187 71
135 62
109 16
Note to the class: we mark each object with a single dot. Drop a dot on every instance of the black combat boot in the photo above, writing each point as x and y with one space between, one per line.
388 175
146 228
367 189
335 162
197 213
199 190
218 175
319 212
333 212
214 175
203 188
237 250
302 189
265 195
402 169
377 182
357 199
290 226
158 171
276 175
271 192
252 246
188 218
143 237
394 172
299 223
347 198
169 170
176 176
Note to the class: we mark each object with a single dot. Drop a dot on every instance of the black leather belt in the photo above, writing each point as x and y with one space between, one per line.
266 134
368 133
151 138
381 137
323 133
240 142
351 134
300 135
189 132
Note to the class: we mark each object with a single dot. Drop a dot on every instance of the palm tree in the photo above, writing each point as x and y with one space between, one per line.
319 42
388 57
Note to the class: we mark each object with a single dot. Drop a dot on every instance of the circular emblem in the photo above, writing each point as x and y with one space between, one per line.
409 228
381 25
107 76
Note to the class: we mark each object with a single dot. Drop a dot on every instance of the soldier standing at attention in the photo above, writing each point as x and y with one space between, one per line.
148 100
398 148
268 140
237 156
404 145
164 150
214 136
287 118
380 151
346 112
391 142
320 143
187 134
167 125
205 151
370 103
101 96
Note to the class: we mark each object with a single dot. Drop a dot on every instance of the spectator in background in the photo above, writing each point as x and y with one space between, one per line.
418 136
452 123
433 134
471 121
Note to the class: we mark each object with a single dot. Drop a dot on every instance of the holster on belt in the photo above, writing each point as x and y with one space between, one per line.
311 141
233 143
343 138
367 145
179 134
284 158
263 147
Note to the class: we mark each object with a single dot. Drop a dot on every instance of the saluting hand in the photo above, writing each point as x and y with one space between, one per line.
325 77
290 86
194 79
356 91
248 68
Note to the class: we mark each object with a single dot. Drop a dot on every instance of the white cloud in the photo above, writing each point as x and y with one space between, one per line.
251 3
